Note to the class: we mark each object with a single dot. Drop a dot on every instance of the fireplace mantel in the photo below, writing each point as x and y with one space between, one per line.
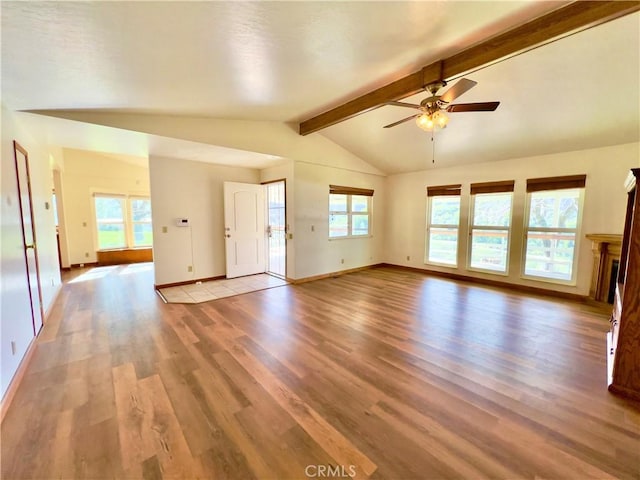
606 249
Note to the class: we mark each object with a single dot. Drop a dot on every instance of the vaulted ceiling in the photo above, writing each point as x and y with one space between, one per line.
289 61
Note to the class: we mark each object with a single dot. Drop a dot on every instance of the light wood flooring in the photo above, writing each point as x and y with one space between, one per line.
383 373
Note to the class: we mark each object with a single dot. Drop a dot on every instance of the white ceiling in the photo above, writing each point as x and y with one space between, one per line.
286 61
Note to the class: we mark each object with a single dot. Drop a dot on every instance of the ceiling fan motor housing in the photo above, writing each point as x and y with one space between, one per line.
432 104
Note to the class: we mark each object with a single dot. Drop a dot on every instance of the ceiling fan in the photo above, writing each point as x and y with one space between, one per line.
432 109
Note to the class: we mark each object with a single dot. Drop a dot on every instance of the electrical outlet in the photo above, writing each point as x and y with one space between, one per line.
165 229
408 258
342 260
13 347
84 224
189 268
313 228
53 282
86 254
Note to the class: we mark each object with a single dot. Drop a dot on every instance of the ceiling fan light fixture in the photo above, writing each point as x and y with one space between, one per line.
425 122
428 121
440 118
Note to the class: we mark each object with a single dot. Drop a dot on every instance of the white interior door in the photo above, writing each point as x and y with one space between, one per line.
29 236
244 228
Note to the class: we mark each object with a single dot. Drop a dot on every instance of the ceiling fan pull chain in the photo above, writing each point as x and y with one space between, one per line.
433 149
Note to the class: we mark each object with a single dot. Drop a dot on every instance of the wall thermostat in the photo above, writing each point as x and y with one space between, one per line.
182 222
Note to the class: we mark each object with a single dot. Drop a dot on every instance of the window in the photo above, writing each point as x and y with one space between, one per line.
490 225
553 214
141 222
122 222
349 212
110 222
443 221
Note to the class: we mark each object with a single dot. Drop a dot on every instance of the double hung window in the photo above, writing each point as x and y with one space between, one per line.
349 212
122 221
443 224
490 225
552 223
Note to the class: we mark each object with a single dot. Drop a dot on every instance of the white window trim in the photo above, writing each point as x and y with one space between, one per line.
127 220
430 226
349 214
472 206
525 235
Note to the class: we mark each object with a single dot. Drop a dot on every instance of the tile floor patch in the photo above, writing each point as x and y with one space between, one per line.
215 289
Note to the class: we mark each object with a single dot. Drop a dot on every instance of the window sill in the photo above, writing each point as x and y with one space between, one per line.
331 239
436 264
492 272
554 281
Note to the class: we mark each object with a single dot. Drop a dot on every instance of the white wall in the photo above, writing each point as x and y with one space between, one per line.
193 190
15 318
604 206
311 254
86 173
315 253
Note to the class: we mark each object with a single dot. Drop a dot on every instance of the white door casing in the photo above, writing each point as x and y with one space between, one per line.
244 228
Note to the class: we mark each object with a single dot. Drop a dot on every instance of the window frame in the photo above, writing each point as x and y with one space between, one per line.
492 188
350 192
449 191
576 249
127 222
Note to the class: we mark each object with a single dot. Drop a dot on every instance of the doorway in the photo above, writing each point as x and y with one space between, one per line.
276 228
29 235
255 229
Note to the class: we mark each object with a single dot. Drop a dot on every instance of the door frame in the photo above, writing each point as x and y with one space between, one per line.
286 224
17 148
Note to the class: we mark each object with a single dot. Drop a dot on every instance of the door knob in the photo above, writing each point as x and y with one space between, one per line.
228 236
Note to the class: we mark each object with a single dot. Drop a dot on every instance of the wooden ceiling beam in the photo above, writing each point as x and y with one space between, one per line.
575 16
399 89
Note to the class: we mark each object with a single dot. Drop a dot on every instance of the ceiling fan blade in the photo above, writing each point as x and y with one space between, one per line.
473 107
403 104
400 121
461 86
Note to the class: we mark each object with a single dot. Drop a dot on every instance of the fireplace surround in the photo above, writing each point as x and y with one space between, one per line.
606 250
